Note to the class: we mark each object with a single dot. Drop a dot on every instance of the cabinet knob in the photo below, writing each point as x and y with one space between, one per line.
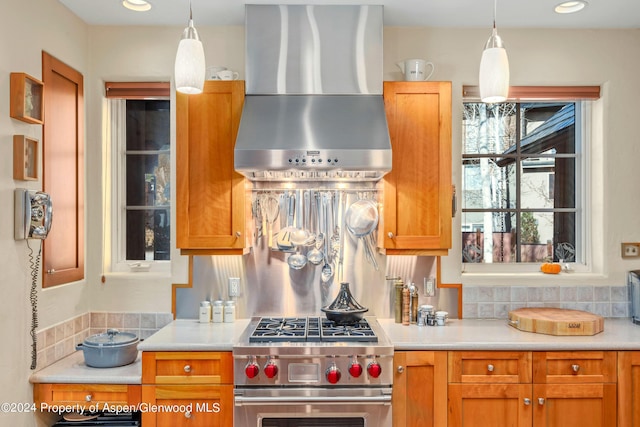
527 401
187 414
187 368
238 234
541 401
490 367
400 369
390 235
88 398
575 368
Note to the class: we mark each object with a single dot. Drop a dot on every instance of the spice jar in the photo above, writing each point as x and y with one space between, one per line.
205 312
441 317
217 312
229 312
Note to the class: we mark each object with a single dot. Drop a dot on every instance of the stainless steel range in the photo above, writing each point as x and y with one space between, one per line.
308 368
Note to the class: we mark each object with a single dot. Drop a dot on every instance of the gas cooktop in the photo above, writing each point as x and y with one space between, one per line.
310 329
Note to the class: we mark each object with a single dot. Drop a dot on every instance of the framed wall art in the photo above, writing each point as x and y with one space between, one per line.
25 158
26 98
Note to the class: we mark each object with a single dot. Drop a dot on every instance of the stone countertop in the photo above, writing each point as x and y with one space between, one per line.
469 334
477 334
73 370
190 335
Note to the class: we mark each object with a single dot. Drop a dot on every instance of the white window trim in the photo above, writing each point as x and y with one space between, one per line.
591 226
115 244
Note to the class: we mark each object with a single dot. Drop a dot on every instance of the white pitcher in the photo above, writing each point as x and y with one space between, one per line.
415 69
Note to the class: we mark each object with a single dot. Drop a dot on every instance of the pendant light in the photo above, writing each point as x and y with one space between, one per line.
494 67
190 66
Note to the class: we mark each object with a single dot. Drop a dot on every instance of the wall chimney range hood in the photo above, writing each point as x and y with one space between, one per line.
313 108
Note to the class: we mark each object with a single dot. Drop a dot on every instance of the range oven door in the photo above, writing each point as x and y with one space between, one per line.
287 407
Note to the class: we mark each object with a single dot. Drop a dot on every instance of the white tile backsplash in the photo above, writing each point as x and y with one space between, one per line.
495 302
60 340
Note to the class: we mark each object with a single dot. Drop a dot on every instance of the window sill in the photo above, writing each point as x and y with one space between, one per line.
531 278
139 276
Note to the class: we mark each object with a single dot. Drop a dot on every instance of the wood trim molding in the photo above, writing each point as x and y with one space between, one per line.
137 90
457 286
540 93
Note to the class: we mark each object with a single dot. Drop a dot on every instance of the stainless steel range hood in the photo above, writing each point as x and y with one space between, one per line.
314 108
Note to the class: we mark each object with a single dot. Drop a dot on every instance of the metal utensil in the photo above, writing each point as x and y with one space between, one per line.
272 210
315 255
361 220
327 271
283 239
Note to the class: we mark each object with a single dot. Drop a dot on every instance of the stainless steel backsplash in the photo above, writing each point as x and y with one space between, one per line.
270 287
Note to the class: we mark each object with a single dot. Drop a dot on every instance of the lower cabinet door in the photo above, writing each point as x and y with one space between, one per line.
187 405
419 389
580 405
495 405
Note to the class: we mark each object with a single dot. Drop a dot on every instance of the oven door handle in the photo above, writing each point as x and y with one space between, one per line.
305 400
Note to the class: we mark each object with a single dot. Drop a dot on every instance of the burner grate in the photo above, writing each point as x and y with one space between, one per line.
310 329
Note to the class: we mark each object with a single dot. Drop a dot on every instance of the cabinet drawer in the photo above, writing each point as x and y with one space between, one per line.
86 395
188 405
489 367
560 367
175 367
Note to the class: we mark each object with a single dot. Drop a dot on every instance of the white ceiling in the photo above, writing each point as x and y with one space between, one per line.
430 13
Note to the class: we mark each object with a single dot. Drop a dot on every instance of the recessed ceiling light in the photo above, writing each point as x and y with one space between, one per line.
137 5
570 6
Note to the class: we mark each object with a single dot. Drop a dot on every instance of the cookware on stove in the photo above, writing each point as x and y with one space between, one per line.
111 349
344 309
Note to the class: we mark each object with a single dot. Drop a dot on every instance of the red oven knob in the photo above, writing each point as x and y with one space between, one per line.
333 374
251 370
270 369
355 369
374 369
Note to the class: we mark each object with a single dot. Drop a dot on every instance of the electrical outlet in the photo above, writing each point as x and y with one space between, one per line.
630 250
430 286
234 287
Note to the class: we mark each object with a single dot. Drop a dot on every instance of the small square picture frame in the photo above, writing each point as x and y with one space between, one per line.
27 102
25 158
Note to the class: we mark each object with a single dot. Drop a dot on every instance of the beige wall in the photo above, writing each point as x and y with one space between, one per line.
610 58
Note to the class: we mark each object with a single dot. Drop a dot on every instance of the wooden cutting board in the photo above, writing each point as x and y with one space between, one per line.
556 321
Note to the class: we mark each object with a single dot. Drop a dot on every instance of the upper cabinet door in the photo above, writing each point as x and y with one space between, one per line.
418 192
210 194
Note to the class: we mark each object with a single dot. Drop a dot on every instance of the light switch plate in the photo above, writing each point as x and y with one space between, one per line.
630 250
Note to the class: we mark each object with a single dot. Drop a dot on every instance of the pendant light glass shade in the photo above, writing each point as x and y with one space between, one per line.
494 69
190 65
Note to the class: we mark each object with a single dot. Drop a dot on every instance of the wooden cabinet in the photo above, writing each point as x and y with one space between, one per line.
211 197
628 389
489 389
197 386
417 206
419 389
532 389
574 388
86 395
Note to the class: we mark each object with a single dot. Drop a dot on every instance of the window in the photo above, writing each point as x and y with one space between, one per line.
141 182
523 166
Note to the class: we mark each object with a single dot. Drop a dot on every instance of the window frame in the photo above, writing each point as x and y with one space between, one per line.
115 155
584 226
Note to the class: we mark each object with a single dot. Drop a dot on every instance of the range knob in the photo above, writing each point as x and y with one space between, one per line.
333 374
355 369
374 369
251 370
270 369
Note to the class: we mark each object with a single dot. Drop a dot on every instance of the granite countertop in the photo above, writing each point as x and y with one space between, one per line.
470 334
